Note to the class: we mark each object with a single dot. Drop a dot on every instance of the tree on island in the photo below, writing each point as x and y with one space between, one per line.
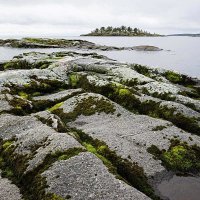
119 31
135 30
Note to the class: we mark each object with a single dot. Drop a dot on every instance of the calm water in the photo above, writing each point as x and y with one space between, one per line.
180 53
181 188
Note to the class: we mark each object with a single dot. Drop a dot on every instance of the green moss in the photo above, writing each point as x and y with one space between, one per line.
42 64
56 197
87 106
90 148
1 162
36 94
47 41
24 95
69 153
7 144
124 96
179 157
173 77
194 93
101 149
124 92
74 79
99 154
142 70
55 107
8 173
40 105
179 78
17 64
37 87
24 64
192 106
20 106
154 150
159 128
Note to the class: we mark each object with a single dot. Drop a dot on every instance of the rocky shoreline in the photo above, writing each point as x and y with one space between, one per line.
83 126
72 44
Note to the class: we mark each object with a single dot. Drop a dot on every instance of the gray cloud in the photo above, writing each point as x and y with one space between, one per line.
73 17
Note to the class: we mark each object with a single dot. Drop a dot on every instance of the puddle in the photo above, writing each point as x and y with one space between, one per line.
180 188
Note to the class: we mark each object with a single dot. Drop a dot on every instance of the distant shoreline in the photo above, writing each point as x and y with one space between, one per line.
185 34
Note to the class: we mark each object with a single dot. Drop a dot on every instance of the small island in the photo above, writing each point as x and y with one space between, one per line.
120 31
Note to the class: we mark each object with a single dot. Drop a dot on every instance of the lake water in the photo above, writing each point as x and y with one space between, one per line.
181 188
180 53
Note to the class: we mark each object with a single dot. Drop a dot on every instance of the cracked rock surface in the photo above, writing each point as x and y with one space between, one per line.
83 126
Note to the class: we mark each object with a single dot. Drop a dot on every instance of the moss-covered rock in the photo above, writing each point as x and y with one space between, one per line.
121 168
178 78
179 157
55 107
86 104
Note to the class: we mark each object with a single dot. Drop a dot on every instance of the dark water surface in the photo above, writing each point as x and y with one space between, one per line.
181 188
184 54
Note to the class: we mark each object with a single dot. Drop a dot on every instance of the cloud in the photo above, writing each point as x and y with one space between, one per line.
73 17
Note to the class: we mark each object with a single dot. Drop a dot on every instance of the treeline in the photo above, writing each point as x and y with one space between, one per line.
119 31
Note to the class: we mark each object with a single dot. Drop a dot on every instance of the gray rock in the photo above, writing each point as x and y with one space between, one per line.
8 190
52 120
32 136
128 134
57 96
4 104
85 177
160 88
179 108
11 125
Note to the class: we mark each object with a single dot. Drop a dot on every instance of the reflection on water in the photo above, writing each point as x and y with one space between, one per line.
183 55
181 188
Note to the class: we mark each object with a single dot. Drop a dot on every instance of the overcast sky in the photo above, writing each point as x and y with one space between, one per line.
74 17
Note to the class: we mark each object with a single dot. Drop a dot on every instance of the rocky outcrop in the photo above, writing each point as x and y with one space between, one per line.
83 126
146 48
70 44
